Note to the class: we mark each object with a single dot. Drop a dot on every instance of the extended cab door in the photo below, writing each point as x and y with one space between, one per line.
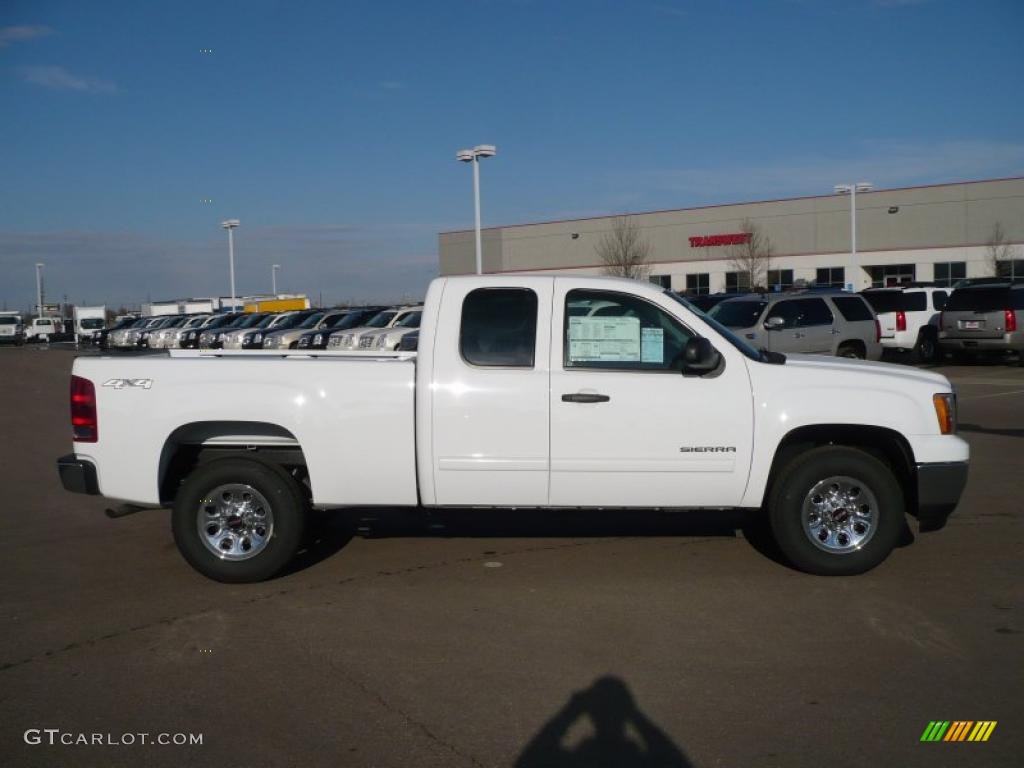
489 399
627 428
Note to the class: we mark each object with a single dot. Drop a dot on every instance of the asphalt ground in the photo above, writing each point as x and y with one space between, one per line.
491 639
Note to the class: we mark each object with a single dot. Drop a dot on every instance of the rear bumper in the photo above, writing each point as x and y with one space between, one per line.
939 487
77 475
998 344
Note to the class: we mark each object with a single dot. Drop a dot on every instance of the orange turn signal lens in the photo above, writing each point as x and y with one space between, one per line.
945 413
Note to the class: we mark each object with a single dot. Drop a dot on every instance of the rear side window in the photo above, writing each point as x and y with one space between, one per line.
915 301
1018 298
979 299
499 327
884 301
853 308
939 300
801 313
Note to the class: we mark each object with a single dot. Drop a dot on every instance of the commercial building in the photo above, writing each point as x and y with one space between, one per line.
935 233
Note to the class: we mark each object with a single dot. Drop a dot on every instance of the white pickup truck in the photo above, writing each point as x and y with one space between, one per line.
521 396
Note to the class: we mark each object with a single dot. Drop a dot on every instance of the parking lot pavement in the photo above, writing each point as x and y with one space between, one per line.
505 639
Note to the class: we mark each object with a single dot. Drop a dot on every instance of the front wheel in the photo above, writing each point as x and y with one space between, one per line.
927 348
238 520
836 511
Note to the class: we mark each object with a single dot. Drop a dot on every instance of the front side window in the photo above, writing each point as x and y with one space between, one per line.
499 328
626 333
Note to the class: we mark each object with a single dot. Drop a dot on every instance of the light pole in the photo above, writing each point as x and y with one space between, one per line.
39 289
852 190
473 156
273 277
230 226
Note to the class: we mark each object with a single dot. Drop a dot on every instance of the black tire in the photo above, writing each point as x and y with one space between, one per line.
852 350
287 509
927 348
795 483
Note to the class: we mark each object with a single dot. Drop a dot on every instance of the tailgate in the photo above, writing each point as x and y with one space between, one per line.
973 325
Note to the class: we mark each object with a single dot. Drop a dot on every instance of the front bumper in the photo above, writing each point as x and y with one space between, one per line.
939 487
77 476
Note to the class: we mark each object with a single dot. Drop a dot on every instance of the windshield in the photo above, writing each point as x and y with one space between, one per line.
91 323
738 313
268 321
411 320
979 299
381 319
248 321
312 320
726 334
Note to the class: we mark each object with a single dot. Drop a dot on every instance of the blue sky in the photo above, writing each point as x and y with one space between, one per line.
329 128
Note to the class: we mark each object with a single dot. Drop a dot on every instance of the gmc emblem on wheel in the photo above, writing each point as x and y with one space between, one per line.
122 383
708 449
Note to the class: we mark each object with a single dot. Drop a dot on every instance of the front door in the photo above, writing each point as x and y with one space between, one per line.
806 326
627 428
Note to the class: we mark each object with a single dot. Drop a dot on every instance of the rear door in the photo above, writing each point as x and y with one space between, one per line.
489 404
627 428
976 312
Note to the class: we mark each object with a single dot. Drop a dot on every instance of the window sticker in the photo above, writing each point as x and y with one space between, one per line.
652 345
604 339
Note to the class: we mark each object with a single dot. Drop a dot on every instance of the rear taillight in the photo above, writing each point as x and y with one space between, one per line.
901 321
84 426
878 331
1010 318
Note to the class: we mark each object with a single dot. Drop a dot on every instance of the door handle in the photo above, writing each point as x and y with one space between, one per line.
585 397
835 331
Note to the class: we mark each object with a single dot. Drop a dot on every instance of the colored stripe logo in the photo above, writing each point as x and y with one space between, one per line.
958 730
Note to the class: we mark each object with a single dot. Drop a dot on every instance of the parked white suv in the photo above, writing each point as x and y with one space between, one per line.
909 318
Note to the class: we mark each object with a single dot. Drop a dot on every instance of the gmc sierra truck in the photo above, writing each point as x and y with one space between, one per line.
526 391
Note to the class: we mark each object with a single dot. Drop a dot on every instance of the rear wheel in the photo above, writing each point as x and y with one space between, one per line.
852 350
927 348
836 511
238 520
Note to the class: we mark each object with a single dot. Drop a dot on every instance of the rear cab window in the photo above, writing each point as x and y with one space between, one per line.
499 328
621 333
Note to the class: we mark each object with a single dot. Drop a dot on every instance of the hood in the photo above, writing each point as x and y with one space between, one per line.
846 367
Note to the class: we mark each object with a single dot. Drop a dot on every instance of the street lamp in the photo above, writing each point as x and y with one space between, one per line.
230 225
852 190
39 289
473 156
273 276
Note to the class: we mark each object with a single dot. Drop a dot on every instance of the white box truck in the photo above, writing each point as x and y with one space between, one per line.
88 321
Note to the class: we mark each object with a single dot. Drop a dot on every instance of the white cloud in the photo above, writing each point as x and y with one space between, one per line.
391 85
22 33
60 79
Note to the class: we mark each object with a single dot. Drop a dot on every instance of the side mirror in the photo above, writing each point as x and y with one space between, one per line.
775 323
699 357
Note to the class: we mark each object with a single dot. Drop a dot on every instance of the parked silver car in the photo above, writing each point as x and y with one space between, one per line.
812 322
984 318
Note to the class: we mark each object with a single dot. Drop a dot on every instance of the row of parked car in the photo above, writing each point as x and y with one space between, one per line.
924 320
373 329
981 316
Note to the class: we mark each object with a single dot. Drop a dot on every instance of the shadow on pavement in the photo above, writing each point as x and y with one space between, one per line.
619 735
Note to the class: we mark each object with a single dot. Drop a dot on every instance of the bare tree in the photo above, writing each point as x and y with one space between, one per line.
1000 252
753 256
624 251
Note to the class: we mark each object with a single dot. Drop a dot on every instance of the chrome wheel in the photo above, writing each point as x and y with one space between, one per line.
235 521
840 514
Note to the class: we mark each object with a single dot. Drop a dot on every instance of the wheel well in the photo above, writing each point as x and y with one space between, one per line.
854 343
887 445
198 443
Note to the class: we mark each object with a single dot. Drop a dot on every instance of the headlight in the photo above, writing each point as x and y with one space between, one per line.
247 338
945 412
190 335
317 340
257 338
